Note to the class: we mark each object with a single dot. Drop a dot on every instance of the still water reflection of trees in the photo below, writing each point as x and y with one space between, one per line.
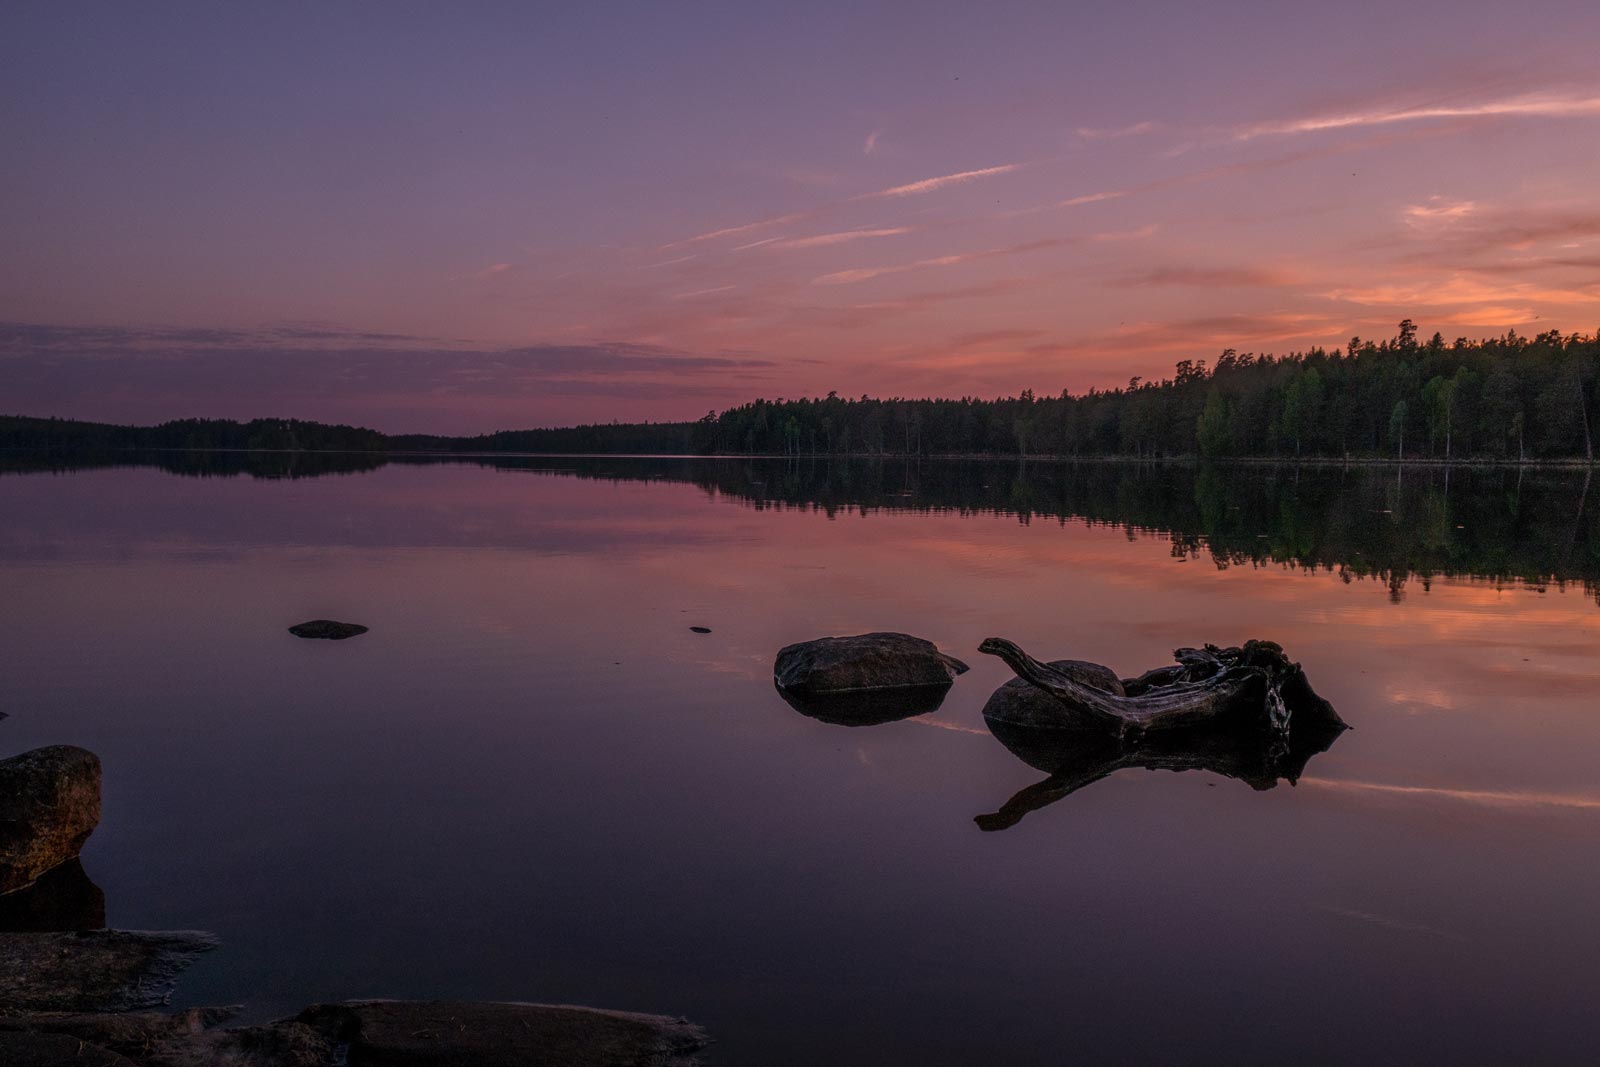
1394 525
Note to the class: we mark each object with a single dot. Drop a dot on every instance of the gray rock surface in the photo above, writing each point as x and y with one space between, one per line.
94 970
363 1034
49 805
874 661
24 1049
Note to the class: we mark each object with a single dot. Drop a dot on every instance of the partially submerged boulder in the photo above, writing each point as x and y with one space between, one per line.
867 707
444 1034
49 805
94 970
327 630
864 663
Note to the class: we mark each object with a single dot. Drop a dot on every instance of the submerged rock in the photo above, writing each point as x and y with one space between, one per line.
49 805
327 630
867 662
437 1034
868 707
94 971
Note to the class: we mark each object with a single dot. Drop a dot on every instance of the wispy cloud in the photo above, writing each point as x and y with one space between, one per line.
1535 105
755 244
846 277
132 373
1139 234
1438 212
1094 198
1091 133
735 231
491 271
670 262
823 239
1456 291
1206 331
1203 277
928 185
871 144
702 292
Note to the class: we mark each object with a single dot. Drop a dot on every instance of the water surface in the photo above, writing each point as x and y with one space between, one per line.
532 781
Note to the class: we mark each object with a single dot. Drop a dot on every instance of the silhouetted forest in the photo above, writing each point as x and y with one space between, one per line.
1505 525
1506 398
291 435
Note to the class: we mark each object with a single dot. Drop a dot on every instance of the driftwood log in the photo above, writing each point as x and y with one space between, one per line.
1253 686
1247 713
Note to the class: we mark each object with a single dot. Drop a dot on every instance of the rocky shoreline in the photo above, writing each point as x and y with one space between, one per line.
75 994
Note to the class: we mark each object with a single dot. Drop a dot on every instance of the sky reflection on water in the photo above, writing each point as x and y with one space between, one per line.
532 781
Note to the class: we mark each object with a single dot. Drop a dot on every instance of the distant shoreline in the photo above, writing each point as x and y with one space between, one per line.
1571 463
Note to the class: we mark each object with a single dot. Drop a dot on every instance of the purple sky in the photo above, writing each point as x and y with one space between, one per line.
477 216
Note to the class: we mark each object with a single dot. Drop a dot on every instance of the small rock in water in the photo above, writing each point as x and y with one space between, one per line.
327 630
701 629
865 662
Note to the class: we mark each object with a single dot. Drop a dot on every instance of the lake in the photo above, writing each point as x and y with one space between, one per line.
533 781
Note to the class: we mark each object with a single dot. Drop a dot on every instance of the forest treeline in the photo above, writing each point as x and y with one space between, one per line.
1502 398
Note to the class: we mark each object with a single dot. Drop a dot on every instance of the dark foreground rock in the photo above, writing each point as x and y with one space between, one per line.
49 805
864 663
62 899
23 1049
436 1034
94 970
363 1034
327 630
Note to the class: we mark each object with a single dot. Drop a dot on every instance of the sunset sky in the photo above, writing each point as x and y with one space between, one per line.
461 218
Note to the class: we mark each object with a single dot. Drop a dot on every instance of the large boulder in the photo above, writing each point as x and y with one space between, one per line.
444 1034
864 663
49 805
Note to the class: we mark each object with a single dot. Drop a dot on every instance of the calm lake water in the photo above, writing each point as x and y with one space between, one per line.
532 781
